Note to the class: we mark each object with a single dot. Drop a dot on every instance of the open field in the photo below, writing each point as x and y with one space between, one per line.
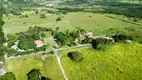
95 22
21 66
115 63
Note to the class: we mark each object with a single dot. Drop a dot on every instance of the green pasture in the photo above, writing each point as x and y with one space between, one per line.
121 61
95 22
21 66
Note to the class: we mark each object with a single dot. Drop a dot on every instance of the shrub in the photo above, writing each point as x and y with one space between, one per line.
59 19
34 75
8 76
43 48
52 52
11 52
76 56
44 78
121 37
42 16
100 43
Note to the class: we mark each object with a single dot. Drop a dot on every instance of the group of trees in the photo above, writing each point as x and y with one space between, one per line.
107 6
68 38
76 56
35 74
8 76
1 35
26 44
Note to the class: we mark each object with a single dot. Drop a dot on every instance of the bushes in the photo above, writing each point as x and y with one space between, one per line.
35 74
100 43
59 19
43 48
76 56
8 76
121 37
42 16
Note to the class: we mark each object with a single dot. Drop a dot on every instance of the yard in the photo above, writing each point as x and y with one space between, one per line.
21 66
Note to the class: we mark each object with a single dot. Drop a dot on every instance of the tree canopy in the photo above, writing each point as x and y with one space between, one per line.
8 76
76 56
27 43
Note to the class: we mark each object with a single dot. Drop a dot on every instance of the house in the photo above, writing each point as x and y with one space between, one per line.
51 5
5 44
39 43
15 47
89 35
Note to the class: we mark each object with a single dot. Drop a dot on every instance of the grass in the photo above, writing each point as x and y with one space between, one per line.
21 66
115 63
97 23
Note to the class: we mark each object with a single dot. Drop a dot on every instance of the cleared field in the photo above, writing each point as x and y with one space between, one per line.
115 63
95 22
21 66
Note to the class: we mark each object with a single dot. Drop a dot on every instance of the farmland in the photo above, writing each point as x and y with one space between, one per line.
71 40
48 67
116 63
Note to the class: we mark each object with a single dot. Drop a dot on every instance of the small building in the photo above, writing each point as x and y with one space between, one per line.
5 44
51 5
15 47
39 43
89 35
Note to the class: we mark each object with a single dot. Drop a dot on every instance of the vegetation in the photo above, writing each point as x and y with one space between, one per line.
100 43
76 56
48 67
26 44
58 24
119 61
34 74
8 76
1 36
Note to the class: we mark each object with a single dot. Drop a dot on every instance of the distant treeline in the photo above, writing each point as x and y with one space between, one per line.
127 9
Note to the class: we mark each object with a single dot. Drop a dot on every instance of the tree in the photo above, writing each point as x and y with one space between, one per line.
100 43
120 37
58 19
42 16
61 37
34 75
57 28
8 76
76 56
1 35
11 43
44 78
27 43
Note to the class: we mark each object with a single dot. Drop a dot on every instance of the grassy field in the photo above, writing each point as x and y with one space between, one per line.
21 66
95 22
115 63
